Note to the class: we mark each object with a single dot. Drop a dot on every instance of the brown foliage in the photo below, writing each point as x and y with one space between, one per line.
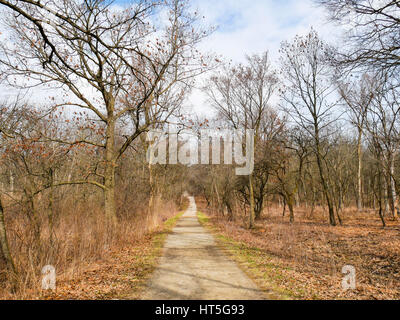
310 254
83 251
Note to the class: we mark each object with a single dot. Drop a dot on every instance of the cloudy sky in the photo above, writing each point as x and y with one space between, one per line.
258 25
253 26
249 26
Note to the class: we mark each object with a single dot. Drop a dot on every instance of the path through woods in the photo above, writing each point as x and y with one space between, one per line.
193 267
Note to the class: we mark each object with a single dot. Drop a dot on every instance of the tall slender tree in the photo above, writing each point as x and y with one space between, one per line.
307 97
358 96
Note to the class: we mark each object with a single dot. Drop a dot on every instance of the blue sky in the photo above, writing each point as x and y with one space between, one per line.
250 26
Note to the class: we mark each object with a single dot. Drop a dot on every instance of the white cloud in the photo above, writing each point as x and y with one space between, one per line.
259 25
254 26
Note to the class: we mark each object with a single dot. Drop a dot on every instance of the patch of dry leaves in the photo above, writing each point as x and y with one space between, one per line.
121 276
305 259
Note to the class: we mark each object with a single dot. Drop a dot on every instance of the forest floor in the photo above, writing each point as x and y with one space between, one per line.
305 260
193 257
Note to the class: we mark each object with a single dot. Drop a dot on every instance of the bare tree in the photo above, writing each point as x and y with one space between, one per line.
292 154
373 28
377 152
242 94
383 127
5 135
358 96
307 97
100 55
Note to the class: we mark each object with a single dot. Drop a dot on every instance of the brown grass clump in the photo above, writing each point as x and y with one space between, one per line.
81 249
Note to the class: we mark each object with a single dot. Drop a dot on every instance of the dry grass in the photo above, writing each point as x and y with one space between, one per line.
305 260
121 275
84 253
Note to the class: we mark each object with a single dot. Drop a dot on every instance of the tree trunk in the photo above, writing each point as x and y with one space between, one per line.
33 217
290 203
339 217
109 176
284 207
5 249
332 219
259 209
109 197
152 189
381 214
297 197
359 173
386 198
11 182
51 205
230 212
219 203
393 193
252 213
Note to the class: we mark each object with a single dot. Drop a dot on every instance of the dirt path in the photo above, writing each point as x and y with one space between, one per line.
194 268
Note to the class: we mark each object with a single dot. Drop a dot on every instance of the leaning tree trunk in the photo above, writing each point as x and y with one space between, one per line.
284 207
5 249
381 213
219 202
332 218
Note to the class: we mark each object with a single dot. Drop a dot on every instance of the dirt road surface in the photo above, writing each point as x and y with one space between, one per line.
194 268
